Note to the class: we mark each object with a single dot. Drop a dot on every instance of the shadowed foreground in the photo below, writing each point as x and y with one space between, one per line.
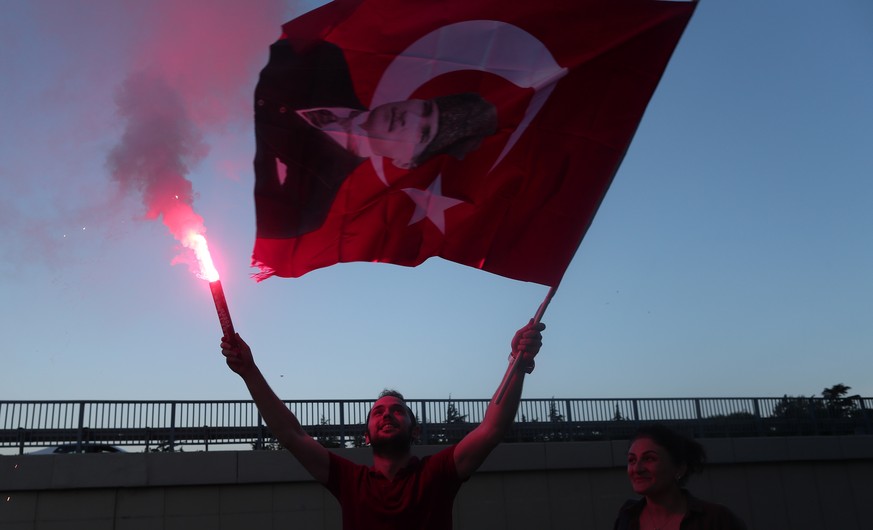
797 483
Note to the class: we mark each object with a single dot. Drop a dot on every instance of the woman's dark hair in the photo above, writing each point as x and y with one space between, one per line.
682 449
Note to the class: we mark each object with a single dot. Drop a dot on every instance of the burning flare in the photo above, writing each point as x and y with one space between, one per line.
159 144
197 243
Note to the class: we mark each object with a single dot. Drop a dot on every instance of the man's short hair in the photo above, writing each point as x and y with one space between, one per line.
463 121
398 395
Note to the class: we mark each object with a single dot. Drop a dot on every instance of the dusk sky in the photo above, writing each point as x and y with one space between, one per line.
732 256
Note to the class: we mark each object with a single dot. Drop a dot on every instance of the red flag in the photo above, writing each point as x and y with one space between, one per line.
485 132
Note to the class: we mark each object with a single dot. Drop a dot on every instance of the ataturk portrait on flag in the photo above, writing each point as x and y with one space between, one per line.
312 132
485 132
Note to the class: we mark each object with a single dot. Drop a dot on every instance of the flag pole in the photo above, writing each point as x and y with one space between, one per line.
510 372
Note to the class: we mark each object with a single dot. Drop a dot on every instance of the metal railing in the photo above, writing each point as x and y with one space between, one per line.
169 425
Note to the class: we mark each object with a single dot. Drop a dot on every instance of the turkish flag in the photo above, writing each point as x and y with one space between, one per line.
485 132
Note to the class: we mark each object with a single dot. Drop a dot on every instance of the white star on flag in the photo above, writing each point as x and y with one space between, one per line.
431 203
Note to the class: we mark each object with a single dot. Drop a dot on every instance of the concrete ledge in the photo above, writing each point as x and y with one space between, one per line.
579 455
59 472
124 470
269 466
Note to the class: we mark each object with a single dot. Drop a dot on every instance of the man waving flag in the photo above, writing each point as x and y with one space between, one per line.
485 132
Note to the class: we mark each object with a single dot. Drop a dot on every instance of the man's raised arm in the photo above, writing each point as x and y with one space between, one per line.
278 417
478 444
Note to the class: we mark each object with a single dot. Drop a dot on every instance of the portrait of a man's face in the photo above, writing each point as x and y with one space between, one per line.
314 133
412 132
402 130
409 132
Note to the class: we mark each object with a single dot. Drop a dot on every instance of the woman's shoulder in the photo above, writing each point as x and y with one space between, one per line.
629 512
713 515
633 505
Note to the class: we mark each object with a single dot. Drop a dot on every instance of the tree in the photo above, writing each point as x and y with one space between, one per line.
617 416
795 408
327 440
824 415
453 416
836 402
554 415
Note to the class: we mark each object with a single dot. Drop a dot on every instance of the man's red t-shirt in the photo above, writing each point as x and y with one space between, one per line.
419 498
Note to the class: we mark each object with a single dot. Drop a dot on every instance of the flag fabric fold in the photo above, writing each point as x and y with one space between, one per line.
486 133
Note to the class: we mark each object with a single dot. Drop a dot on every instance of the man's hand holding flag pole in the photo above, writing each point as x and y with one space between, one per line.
520 358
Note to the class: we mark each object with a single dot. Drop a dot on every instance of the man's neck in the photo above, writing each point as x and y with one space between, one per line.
390 464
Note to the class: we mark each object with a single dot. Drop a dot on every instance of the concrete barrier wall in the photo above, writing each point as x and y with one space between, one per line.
802 483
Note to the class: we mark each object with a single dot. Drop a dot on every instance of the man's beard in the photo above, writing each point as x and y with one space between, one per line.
399 444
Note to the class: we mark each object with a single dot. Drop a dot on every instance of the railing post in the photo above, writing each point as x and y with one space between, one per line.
811 409
81 426
423 422
259 443
865 415
758 420
172 440
698 423
636 411
342 421
568 424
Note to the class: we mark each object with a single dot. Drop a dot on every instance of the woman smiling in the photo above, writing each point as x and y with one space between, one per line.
659 462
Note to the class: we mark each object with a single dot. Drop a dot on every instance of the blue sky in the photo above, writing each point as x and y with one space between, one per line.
731 257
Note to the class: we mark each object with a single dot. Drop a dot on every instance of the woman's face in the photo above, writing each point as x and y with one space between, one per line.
402 129
651 469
